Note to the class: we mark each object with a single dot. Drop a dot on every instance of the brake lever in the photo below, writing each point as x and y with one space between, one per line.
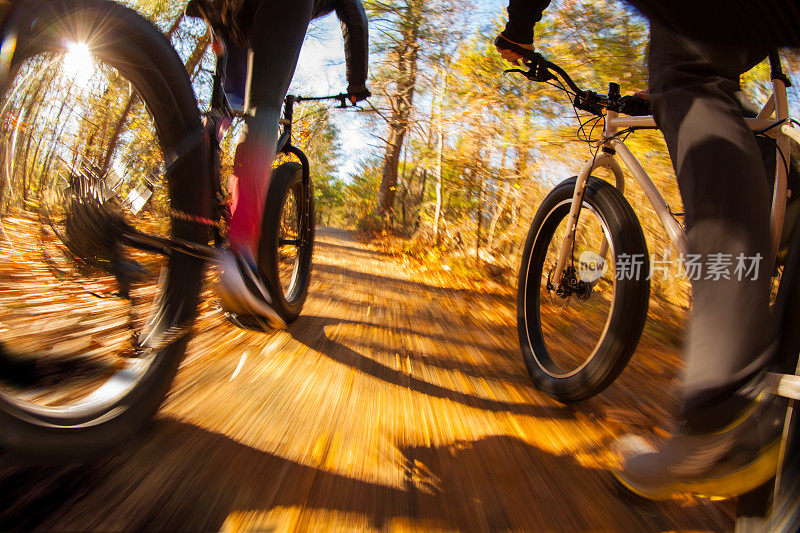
348 105
345 103
536 72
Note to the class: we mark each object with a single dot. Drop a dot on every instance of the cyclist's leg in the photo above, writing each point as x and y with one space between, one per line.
236 76
728 442
276 38
277 35
725 192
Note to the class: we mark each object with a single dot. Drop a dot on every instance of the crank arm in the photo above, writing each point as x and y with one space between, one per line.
166 246
291 242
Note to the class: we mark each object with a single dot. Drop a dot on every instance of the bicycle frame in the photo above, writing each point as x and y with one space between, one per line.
216 122
774 121
612 145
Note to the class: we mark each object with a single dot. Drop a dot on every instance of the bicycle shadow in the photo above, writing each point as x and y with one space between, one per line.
179 477
310 331
392 283
442 340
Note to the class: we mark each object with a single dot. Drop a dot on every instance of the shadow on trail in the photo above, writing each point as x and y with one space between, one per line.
363 252
179 477
451 340
49 370
392 283
310 331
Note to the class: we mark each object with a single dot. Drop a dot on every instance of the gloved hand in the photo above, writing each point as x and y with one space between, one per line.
358 93
510 55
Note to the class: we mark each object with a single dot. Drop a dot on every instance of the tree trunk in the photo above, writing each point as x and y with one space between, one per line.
118 127
407 185
480 220
402 186
438 212
514 221
391 161
197 54
407 53
175 24
423 186
501 205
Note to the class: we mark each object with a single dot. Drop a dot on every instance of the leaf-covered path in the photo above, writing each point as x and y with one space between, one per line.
391 403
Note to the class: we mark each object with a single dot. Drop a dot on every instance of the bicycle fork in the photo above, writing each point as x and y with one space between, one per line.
612 146
604 160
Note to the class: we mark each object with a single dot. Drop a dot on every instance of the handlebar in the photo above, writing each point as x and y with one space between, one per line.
343 98
290 100
542 70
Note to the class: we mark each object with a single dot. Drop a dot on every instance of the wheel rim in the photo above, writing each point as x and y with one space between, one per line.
70 347
564 340
291 244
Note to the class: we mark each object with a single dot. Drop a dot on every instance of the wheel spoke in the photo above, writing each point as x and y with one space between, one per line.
573 315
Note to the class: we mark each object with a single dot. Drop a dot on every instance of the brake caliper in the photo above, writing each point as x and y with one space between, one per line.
569 285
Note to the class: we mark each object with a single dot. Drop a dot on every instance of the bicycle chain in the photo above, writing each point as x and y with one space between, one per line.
188 217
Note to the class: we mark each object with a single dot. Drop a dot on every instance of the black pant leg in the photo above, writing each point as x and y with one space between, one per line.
726 198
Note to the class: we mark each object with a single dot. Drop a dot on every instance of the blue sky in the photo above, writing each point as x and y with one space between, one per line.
321 71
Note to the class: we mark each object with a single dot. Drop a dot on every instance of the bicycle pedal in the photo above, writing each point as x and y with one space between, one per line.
127 272
252 323
129 269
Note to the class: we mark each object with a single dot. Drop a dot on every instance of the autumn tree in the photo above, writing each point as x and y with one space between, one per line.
400 25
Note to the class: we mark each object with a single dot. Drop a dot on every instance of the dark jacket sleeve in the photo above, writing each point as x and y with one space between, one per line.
356 42
764 23
522 15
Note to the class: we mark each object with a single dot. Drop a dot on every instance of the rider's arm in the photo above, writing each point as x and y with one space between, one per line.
356 46
766 23
522 15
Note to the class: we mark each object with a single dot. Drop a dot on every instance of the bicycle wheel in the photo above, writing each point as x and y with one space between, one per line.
772 508
785 511
91 330
287 240
577 342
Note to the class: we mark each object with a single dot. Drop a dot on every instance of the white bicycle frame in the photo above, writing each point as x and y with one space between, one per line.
775 111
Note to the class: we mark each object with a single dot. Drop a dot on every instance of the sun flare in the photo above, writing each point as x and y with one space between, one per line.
78 63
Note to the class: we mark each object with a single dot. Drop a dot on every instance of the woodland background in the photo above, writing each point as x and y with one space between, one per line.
460 155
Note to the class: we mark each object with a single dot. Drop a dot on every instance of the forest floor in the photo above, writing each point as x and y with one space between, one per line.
398 400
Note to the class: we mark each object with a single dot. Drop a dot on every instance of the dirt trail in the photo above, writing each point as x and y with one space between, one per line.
389 404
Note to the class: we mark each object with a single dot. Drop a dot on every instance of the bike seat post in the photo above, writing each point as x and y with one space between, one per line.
612 109
218 100
288 115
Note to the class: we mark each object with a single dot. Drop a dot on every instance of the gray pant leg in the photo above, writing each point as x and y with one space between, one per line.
276 38
726 196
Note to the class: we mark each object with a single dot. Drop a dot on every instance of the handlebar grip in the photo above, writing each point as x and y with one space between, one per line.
634 106
504 44
540 68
